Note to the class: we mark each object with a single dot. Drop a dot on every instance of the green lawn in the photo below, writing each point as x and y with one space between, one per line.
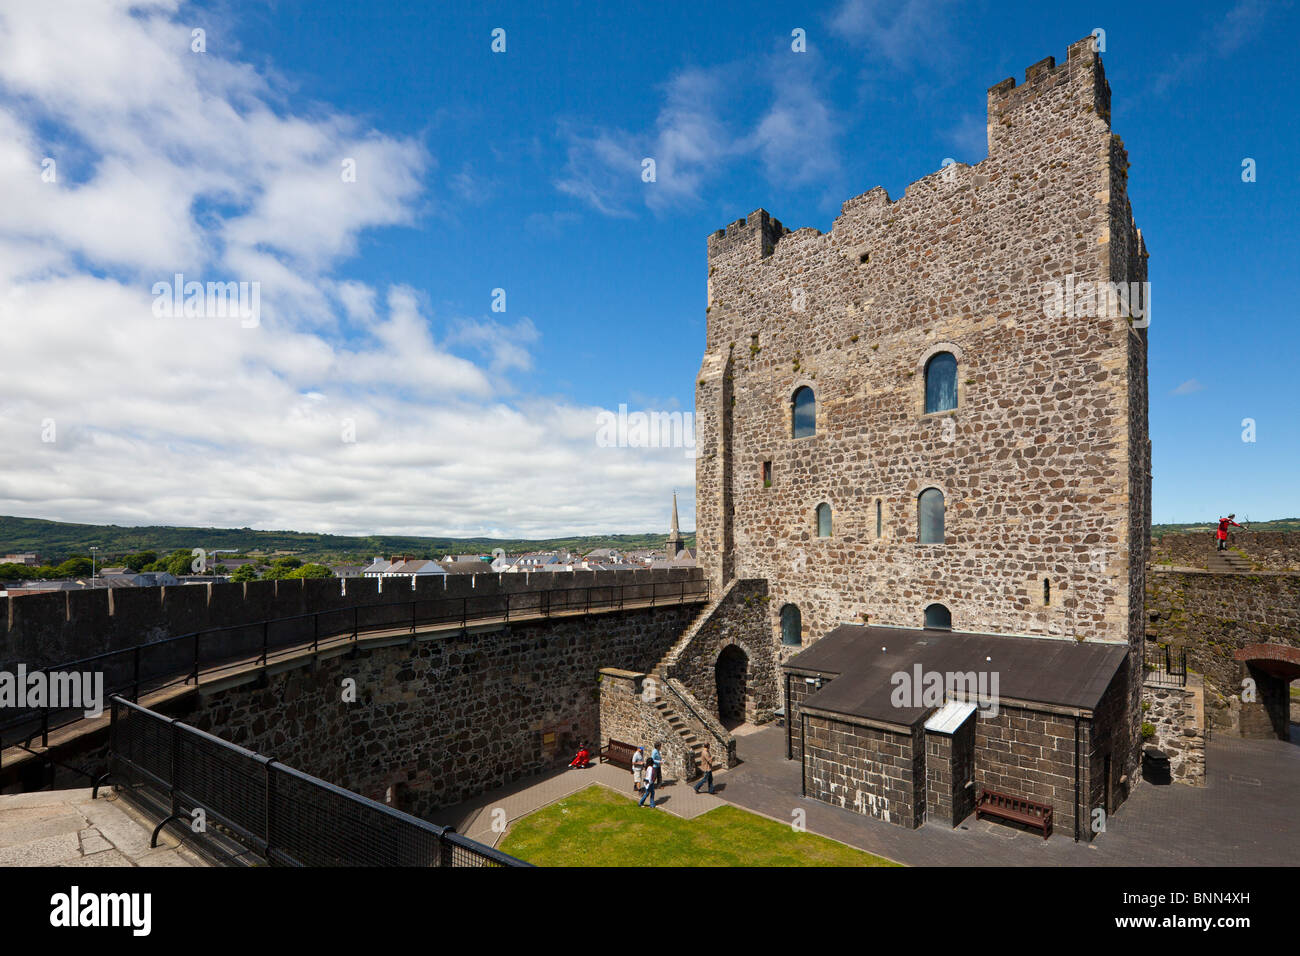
597 827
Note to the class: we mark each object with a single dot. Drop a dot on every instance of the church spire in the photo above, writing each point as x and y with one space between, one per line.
675 543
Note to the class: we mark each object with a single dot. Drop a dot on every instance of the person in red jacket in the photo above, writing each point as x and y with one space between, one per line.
1222 533
582 759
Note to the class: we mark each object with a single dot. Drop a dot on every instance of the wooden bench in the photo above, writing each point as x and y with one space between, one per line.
619 753
1016 809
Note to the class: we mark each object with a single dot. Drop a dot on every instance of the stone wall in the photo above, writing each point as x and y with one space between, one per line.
740 618
1045 463
798 688
1029 753
1263 550
43 630
446 718
626 714
869 769
949 767
1176 715
1213 615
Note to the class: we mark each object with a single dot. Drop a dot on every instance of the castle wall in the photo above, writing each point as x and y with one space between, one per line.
1263 550
740 618
43 630
1213 615
447 718
1172 713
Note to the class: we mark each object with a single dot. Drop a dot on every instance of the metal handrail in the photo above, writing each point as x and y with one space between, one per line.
542 609
260 838
726 746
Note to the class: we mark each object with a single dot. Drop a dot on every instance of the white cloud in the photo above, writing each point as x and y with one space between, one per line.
171 161
900 31
694 139
1188 387
796 136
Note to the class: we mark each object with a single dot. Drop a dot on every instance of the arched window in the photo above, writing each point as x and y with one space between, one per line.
1047 592
930 517
880 519
791 626
803 410
823 520
938 617
941 382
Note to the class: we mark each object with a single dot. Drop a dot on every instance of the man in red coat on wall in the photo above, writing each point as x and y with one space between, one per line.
1222 533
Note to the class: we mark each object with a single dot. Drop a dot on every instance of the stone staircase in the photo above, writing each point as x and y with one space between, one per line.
689 740
1227 561
666 664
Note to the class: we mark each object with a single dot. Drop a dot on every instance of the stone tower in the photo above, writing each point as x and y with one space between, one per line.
1036 450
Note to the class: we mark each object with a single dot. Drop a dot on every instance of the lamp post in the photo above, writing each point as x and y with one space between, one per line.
93 549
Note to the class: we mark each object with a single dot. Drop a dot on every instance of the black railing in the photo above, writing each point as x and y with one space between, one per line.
157 665
284 816
1166 665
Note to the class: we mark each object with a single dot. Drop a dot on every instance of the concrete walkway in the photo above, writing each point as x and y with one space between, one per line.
67 828
488 817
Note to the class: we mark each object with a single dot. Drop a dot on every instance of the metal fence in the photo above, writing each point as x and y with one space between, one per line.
159 664
1166 665
284 816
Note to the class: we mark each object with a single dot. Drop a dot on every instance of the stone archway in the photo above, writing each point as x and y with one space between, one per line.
1271 667
731 675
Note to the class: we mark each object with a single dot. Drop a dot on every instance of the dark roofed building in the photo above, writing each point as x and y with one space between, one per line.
887 721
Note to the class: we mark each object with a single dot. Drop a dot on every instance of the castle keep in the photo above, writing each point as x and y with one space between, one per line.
921 457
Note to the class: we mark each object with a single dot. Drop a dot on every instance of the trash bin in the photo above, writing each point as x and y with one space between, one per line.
1155 765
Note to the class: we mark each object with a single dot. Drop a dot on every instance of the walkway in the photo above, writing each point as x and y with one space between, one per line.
486 818
1244 816
245 668
67 828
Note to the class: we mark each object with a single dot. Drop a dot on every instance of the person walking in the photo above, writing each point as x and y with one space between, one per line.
706 762
657 758
651 780
1222 533
638 765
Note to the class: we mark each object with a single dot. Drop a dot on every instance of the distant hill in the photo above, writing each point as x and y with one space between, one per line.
56 541
1278 524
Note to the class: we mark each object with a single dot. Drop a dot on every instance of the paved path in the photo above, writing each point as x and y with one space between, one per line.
1244 816
67 828
486 818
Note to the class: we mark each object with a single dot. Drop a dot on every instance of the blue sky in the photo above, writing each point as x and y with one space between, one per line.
520 171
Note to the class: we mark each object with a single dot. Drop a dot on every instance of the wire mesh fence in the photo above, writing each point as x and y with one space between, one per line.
282 815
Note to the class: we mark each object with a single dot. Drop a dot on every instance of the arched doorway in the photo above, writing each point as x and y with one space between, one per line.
1271 668
732 675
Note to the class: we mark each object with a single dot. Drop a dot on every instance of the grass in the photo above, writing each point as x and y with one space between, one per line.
597 827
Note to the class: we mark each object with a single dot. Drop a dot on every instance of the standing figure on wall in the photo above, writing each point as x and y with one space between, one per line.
1222 533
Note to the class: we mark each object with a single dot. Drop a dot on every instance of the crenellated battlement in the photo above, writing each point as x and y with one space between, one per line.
1080 54
1081 77
757 234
